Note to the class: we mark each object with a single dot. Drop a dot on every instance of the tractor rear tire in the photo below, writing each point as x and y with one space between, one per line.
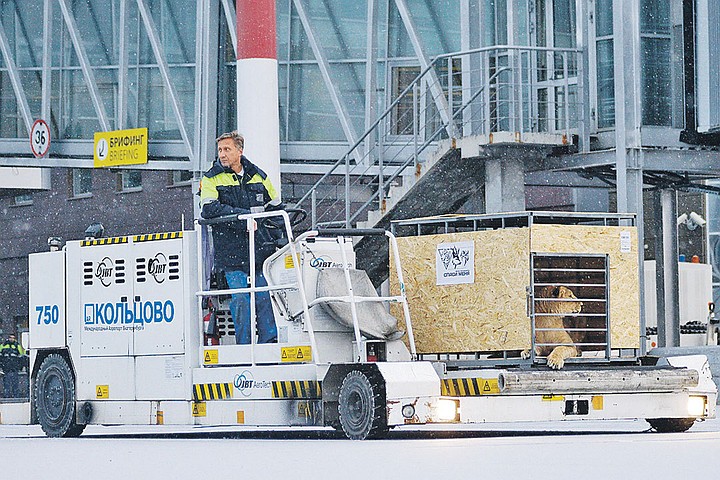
54 398
671 425
361 407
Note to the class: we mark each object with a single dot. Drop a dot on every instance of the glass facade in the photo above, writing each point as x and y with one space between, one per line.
128 63
89 53
605 63
656 51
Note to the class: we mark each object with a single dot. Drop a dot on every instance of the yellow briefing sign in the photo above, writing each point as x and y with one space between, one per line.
121 147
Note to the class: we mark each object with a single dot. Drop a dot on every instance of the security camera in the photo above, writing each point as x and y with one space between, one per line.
682 219
695 221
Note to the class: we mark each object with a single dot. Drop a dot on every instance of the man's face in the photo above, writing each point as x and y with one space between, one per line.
12 338
229 154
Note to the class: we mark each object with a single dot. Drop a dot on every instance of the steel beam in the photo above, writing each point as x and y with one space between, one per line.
371 76
626 32
583 75
88 74
433 83
46 62
122 67
20 96
694 162
232 23
165 74
206 75
335 97
666 258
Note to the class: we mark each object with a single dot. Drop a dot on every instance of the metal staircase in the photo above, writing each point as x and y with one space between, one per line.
409 162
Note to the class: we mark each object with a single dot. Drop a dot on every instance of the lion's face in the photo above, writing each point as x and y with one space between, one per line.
563 308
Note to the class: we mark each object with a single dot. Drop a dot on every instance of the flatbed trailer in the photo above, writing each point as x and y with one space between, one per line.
132 330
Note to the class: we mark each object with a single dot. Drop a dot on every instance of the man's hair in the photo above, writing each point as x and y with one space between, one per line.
235 137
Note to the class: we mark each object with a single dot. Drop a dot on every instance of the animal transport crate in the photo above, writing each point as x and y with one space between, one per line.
480 283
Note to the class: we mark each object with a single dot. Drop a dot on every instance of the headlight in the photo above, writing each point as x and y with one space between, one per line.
447 410
696 406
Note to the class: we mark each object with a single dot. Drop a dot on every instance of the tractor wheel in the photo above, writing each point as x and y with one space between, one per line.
54 398
669 425
361 408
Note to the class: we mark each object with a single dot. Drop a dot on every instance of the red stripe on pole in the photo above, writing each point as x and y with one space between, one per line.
256 29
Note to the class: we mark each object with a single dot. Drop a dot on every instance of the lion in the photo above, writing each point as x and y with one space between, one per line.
558 335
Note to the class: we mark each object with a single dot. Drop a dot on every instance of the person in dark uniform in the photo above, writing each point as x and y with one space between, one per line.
12 360
235 186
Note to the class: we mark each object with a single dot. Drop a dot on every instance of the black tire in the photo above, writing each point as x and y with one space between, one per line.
54 398
361 407
670 425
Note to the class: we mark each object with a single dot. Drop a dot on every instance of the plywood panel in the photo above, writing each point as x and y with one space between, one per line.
624 287
487 315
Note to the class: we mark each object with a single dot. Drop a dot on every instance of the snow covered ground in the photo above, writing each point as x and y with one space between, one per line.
572 450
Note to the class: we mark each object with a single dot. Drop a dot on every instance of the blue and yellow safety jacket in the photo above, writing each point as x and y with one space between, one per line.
12 356
223 192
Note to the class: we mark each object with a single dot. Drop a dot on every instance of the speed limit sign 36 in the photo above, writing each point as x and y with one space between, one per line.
40 138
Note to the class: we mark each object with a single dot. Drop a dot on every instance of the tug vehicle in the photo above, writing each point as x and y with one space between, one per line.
133 330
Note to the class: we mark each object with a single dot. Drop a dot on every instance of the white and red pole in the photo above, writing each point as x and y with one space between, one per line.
258 118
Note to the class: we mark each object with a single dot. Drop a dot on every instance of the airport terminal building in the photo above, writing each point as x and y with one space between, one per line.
503 105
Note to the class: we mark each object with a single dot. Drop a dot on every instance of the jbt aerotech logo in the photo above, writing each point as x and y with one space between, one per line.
246 383
158 267
324 262
104 271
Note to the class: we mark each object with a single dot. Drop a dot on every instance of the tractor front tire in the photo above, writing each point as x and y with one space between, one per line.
361 408
54 398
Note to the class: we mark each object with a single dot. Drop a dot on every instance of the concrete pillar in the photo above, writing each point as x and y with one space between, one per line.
505 181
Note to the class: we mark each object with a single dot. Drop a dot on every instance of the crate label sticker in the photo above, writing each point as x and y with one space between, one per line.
597 402
199 409
455 263
241 417
210 357
625 244
102 391
553 398
296 354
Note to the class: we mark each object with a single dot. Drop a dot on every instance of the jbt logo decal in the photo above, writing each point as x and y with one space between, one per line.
325 262
104 271
157 267
246 383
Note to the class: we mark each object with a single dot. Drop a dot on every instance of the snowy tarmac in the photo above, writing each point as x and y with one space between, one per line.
572 450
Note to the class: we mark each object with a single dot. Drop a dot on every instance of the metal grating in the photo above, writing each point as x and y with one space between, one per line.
587 276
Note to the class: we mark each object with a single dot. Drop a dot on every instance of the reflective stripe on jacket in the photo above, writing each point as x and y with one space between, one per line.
222 193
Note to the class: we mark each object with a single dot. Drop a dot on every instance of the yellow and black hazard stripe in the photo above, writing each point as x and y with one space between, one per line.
104 241
157 236
296 389
212 391
469 387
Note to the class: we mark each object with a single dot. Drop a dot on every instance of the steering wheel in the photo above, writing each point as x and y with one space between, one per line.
296 215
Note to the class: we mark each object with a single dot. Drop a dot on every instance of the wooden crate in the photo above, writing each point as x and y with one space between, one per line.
491 314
